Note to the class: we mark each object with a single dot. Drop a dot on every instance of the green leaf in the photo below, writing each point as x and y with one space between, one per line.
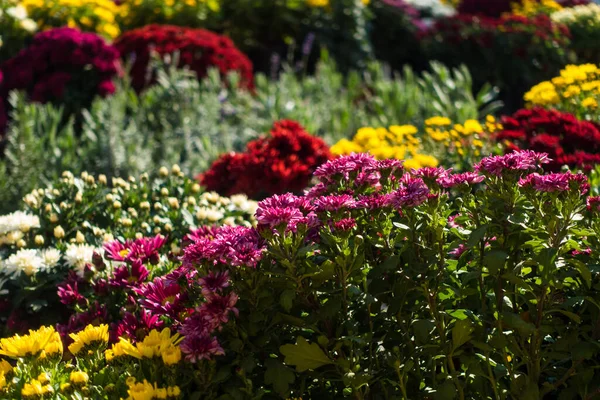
516 322
304 355
495 260
477 235
461 333
287 298
447 391
279 376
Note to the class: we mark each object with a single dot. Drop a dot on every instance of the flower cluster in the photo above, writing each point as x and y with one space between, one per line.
62 65
284 160
584 24
40 372
96 16
576 90
512 52
566 139
397 142
530 8
197 49
138 13
92 210
59 240
155 292
442 138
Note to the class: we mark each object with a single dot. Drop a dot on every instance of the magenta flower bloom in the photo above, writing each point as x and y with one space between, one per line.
201 347
374 201
459 251
593 203
344 224
276 217
335 202
129 275
204 232
219 307
234 246
519 161
161 298
431 173
451 221
411 193
144 249
214 282
554 182
135 327
284 201
340 168
198 324
469 178
68 291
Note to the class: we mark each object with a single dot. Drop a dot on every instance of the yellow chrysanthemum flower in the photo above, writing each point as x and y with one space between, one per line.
79 377
42 342
317 3
91 335
35 389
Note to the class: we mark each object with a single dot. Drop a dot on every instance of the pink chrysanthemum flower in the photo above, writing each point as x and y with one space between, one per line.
469 178
201 347
521 161
144 249
411 193
161 298
129 275
335 202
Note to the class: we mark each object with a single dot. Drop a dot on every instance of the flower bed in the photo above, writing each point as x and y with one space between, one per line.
445 272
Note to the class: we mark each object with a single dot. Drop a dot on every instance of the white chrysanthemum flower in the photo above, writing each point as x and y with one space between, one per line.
27 261
50 257
18 221
588 13
433 7
209 214
29 25
18 12
241 202
78 255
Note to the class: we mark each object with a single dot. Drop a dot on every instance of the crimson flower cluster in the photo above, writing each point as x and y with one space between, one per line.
130 297
283 161
198 49
567 140
63 65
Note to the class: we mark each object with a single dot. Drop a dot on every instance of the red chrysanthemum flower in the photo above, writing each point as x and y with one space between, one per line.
285 161
198 49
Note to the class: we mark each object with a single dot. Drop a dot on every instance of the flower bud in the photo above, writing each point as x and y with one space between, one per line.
196 188
163 172
109 197
79 238
173 202
164 192
98 261
102 179
78 197
39 240
117 204
59 232
21 243
144 205
175 169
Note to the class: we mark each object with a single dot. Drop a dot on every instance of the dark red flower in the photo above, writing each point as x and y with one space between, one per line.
284 160
198 49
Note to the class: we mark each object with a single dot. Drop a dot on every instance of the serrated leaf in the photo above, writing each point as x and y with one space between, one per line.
304 355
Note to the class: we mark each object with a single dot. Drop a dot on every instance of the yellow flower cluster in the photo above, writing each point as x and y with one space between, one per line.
529 8
156 344
40 343
147 391
462 138
88 15
398 141
576 90
325 3
90 336
36 389
141 12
